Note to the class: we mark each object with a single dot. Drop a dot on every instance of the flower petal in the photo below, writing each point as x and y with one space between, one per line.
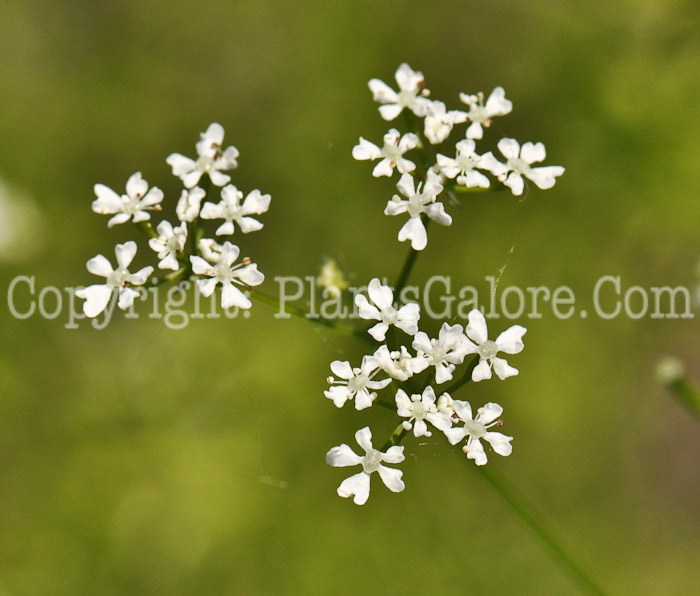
502 369
482 371
125 253
476 329
500 443
489 412
414 230
342 456
364 438
357 485
510 341
392 478
96 299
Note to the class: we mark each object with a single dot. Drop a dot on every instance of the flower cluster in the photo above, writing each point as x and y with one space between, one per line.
463 169
182 248
395 368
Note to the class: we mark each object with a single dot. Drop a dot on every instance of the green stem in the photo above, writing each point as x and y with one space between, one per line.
300 313
395 438
523 509
466 377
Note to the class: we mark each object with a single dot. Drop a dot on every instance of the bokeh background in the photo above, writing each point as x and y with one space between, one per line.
144 460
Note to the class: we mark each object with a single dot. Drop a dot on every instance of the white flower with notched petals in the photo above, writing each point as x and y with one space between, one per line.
411 88
230 209
355 383
439 122
399 364
357 486
419 408
510 342
382 310
211 159
136 203
480 115
519 162
169 243
445 352
420 200
225 273
476 428
391 153
189 204
97 296
464 165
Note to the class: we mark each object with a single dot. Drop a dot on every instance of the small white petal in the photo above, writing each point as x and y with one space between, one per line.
342 456
511 340
481 372
476 329
392 478
502 369
96 299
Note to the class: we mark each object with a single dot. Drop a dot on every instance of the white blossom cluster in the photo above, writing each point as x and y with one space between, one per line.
464 167
181 248
421 400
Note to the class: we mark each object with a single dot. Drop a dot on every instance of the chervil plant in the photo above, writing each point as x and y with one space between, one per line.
409 372
182 248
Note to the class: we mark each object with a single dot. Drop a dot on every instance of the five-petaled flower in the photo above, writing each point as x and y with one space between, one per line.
169 244
464 165
136 203
356 383
357 486
439 122
419 408
120 279
410 95
480 115
224 272
405 318
445 352
211 159
230 209
519 162
391 153
419 200
510 342
476 428
189 204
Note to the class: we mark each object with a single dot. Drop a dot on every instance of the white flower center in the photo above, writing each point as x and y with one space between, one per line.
466 163
372 461
223 273
389 315
131 205
418 410
391 152
415 205
488 349
478 113
117 278
438 353
358 382
518 165
406 98
475 428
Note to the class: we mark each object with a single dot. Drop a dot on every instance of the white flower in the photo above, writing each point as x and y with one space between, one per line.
510 342
392 153
134 204
476 429
97 296
170 241
419 408
230 209
210 161
225 273
421 200
357 383
443 353
439 122
518 165
188 206
406 318
480 115
357 486
463 166
411 84
445 404
399 364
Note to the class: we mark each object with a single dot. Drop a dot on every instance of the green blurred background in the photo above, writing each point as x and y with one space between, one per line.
143 460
